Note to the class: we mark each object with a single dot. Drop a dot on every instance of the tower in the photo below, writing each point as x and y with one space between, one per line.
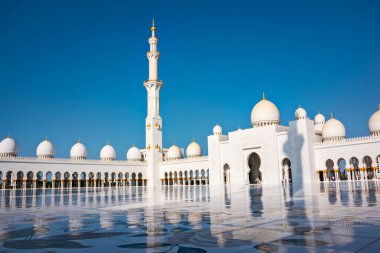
153 120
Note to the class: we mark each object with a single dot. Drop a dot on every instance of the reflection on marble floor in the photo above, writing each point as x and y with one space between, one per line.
330 217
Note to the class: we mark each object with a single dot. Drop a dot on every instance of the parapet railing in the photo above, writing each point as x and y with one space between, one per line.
54 159
350 140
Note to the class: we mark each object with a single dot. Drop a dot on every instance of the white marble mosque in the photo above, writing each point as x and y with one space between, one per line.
301 153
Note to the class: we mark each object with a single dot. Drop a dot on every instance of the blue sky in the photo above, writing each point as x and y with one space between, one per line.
75 69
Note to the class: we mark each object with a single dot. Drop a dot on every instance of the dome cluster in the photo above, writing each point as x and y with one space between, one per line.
374 123
134 154
174 153
300 113
8 147
78 151
319 121
265 113
193 150
45 150
333 130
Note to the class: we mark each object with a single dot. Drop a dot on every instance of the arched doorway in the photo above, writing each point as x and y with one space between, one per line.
203 175
74 182
170 178
29 179
354 162
175 178
120 179
367 161
127 179
286 171
40 180
254 163
106 182
180 178
330 170
197 182
8 180
20 180
133 179
166 179
91 179
66 180
226 173
139 180
186 178
57 181
113 179
49 180
342 169
83 179
191 177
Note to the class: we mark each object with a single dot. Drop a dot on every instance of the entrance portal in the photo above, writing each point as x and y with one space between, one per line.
254 163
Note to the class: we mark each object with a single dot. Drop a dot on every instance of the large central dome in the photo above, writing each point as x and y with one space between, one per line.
265 113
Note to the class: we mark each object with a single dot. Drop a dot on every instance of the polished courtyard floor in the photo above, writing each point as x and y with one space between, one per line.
328 217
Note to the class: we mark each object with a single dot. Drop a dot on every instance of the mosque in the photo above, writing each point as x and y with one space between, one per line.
303 153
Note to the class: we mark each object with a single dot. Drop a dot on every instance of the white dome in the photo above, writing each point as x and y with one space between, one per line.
45 149
78 151
217 130
333 130
319 121
134 154
374 123
107 153
265 113
300 113
8 147
174 152
193 150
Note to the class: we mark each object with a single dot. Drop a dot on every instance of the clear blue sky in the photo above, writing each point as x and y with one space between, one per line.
75 69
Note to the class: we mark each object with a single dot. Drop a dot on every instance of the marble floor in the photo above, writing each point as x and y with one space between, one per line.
327 217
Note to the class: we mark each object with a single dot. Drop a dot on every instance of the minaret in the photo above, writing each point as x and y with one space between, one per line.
153 120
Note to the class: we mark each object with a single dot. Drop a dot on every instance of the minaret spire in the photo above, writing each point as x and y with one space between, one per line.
153 120
153 28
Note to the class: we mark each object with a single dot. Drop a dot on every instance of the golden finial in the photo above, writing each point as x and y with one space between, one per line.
264 96
331 116
78 141
133 145
193 139
153 27
379 107
108 142
299 106
319 112
46 138
9 135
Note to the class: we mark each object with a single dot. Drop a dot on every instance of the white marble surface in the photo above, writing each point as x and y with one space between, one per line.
333 217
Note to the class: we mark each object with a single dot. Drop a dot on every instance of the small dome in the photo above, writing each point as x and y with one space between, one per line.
174 152
134 154
8 147
78 151
193 150
300 113
374 123
217 130
319 121
45 149
333 130
107 153
265 113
